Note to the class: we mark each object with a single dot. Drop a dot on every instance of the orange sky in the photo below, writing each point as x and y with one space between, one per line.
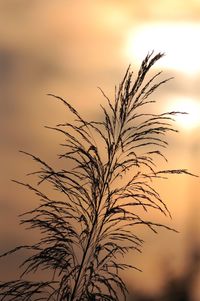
70 48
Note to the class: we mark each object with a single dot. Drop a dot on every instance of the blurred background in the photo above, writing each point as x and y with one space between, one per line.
70 48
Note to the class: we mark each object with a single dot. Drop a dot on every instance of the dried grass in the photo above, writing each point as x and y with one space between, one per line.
92 224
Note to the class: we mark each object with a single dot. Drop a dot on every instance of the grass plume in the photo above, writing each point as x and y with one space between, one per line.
85 232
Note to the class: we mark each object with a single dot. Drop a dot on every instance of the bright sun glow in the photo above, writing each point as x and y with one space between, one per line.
190 106
179 41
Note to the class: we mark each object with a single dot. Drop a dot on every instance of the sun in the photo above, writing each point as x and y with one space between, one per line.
188 121
179 41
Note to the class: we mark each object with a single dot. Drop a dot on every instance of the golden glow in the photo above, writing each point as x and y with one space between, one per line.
191 106
112 17
179 41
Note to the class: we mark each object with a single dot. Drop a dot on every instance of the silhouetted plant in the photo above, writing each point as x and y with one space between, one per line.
92 223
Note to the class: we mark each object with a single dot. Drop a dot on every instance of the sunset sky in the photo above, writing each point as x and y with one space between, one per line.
70 48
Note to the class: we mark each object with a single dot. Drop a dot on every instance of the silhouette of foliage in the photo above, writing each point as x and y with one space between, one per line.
86 230
176 287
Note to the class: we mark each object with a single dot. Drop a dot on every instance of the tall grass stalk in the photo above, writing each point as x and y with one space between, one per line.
94 221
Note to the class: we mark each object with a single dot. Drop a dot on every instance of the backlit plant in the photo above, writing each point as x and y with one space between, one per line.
93 222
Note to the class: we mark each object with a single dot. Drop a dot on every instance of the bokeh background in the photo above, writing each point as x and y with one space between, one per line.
69 48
